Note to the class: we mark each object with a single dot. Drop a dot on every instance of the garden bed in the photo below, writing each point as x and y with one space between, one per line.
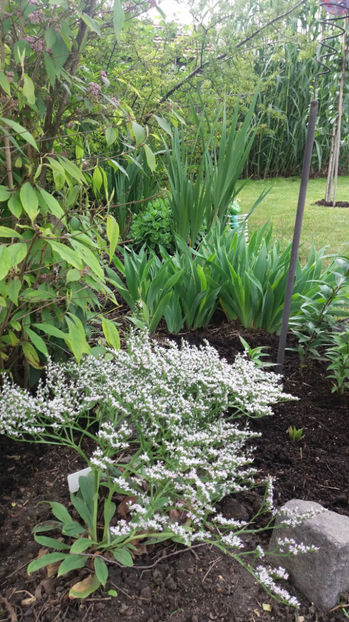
172 583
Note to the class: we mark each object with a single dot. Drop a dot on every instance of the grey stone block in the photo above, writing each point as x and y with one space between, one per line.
324 574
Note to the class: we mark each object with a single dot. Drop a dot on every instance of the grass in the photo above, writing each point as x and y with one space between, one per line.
324 226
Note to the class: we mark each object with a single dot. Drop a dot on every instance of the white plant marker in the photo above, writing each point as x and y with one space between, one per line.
73 479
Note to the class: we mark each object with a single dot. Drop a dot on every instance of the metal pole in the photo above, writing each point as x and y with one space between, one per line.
297 233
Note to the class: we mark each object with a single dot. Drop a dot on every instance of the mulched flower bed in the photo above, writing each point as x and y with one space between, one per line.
330 203
171 583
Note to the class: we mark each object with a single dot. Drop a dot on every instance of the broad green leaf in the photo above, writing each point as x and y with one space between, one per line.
111 135
5 261
60 50
111 333
164 124
28 90
45 560
4 193
52 203
84 588
50 330
80 545
72 169
17 252
151 161
58 171
101 570
118 17
14 204
73 529
123 556
29 200
89 258
83 511
4 83
60 512
72 562
37 341
13 289
112 234
73 275
31 355
67 254
19 129
139 133
50 37
6 232
91 23
38 295
51 543
97 180
76 338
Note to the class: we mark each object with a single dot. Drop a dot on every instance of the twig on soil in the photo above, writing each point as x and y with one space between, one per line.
123 591
10 609
14 572
86 614
211 566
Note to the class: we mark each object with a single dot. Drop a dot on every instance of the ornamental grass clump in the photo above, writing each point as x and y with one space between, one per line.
166 449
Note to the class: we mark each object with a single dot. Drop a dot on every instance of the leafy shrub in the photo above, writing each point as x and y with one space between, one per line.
162 443
153 226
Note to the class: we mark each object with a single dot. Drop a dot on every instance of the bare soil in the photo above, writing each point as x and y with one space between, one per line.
172 584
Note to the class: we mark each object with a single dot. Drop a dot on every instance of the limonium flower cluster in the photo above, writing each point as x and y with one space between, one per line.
165 432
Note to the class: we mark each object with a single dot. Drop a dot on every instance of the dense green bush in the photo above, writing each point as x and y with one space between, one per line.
153 226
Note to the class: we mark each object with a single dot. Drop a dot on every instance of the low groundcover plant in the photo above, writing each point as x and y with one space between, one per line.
167 449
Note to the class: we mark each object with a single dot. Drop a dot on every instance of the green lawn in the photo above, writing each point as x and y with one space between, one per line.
322 225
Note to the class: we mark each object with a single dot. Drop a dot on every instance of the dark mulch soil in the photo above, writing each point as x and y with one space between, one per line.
170 584
330 203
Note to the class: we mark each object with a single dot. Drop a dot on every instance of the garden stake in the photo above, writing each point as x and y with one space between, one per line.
297 233
339 8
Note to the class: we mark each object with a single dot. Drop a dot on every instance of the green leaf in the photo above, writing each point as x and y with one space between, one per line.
29 199
20 130
72 562
73 275
101 570
111 333
6 232
89 258
5 261
151 161
72 169
60 512
45 560
4 83
123 556
73 529
52 204
51 69
67 254
50 330
31 355
76 339
139 133
97 180
118 18
91 23
112 234
4 193
15 205
84 588
60 51
37 341
163 124
50 37
81 545
17 252
51 543
13 289
111 135
29 89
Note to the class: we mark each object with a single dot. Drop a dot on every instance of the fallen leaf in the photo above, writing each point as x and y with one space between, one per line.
52 569
84 588
266 607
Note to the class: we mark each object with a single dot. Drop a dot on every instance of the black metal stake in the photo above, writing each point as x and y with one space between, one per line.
297 233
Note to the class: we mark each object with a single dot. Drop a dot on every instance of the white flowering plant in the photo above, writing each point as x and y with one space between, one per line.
167 449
